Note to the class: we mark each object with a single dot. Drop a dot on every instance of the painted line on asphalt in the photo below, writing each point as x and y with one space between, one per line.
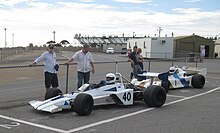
103 121
34 124
176 96
191 97
213 77
138 112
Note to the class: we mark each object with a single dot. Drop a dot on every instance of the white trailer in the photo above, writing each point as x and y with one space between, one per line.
153 47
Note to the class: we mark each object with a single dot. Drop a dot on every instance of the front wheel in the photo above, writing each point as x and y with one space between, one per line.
83 104
155 96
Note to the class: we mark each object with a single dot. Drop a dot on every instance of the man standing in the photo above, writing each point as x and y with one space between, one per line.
84 61
134 62
202 53
50 67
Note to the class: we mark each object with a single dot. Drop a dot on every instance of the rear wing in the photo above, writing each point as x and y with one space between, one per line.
195 70
149 74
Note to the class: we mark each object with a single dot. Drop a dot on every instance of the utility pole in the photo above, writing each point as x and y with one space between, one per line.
13 40
159 29
54 36
5 37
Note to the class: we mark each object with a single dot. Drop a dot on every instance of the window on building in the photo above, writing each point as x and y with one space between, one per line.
144 45
135 44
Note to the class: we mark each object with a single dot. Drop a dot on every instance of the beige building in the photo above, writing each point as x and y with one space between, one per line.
217 47
192 45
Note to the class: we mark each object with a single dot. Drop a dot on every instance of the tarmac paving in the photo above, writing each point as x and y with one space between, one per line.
185 111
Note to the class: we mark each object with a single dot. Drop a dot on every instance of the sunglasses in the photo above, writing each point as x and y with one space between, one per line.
51 47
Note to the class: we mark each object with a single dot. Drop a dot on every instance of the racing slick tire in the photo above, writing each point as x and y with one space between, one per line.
154 96
198 81
83 104
52 92
166 85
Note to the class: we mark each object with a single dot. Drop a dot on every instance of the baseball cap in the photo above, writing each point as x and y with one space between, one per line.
50 46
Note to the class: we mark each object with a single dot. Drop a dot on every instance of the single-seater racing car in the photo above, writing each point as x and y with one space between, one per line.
110 91
175 78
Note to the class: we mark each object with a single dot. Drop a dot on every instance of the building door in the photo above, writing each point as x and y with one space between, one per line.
206 51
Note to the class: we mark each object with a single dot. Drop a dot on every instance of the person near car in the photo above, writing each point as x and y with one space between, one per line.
50 67
140 58
202 53
85 65
134 63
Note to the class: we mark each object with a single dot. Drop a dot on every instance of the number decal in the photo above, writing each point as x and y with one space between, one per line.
127 96
9 126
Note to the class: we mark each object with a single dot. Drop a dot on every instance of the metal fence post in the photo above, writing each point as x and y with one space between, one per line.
116 67
1 54
67 77
148 66
196 62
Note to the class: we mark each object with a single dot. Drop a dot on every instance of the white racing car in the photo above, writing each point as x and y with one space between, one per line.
110 91
175 78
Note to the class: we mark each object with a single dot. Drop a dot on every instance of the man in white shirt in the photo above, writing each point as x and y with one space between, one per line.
50 67
85 64
202 53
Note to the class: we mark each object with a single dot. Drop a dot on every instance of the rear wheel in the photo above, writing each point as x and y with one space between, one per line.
52 92
83 104
154 96
198 81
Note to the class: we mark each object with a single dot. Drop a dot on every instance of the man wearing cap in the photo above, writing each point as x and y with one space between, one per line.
50 67
85 64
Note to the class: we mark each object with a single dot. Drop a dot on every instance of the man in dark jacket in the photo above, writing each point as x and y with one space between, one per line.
134 63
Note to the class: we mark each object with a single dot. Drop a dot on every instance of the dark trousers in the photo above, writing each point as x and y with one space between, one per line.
83 78
51 80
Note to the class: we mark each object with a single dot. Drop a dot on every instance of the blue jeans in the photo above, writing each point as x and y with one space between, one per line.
137 69
83 76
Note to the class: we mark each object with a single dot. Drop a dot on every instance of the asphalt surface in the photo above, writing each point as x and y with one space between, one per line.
186 110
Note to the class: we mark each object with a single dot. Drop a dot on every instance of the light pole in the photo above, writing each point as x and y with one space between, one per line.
5 37
54 36
13 40
159 29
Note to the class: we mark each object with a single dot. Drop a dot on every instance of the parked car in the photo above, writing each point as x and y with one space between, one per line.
123 50
110 51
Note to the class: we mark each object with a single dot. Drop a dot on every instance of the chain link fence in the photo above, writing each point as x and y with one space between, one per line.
20 84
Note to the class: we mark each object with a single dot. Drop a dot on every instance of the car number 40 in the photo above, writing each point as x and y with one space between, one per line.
127 96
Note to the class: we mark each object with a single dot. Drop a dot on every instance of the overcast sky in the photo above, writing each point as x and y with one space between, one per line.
33 21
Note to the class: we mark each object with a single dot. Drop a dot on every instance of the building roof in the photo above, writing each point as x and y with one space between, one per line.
217 42
182 37
103 40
